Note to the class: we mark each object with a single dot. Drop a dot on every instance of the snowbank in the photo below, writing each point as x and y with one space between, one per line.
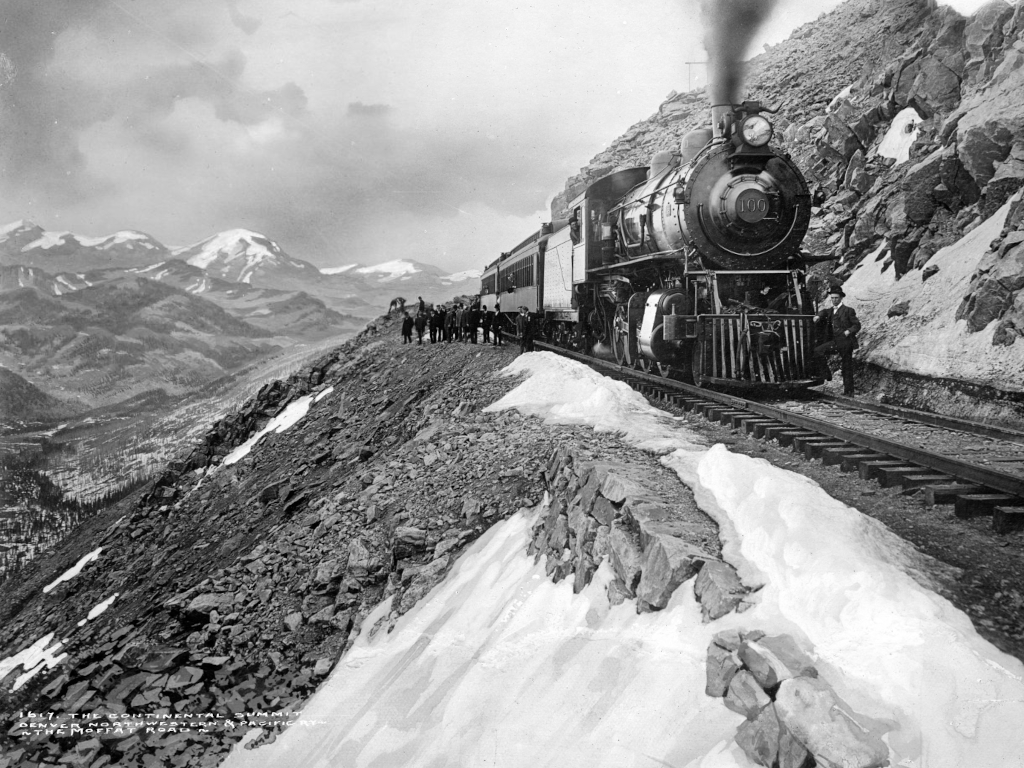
928 340
498 666
834 578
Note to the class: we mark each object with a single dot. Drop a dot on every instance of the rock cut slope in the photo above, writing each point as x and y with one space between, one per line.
907 120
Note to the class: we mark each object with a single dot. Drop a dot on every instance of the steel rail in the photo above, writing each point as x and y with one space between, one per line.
932 419
971 473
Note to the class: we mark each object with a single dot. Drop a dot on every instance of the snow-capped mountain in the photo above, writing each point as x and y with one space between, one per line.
228 267
243 256
28 244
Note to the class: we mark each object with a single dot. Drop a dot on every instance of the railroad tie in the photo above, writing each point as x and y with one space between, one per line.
889 477
740 419
977 504
946 494
851 461
691 403
711 411
815 447
914 483
761 428
872 469
787 436
751 425
726 417
1007 519
834 456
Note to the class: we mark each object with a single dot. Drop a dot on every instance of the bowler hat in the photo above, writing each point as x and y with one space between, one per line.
835 290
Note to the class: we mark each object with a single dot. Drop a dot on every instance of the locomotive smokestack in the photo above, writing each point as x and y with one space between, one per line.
729 27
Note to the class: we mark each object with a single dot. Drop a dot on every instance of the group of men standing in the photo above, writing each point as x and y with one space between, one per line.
455 322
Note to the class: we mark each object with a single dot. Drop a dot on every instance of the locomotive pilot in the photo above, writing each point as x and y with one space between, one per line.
841 328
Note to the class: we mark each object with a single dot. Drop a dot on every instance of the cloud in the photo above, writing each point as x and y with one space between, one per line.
368 110
57 96
409 128
247 24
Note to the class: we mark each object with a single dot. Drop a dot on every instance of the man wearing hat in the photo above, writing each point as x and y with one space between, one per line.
841 328
524 329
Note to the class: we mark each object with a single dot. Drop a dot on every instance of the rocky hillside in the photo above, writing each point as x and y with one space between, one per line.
907 119
236 586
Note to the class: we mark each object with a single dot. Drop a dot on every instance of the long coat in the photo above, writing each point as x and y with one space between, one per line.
837 322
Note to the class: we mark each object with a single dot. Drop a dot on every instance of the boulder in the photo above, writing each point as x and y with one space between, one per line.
745 696
722 666
983 37
759 738
358 560
625 553
718 589
202 605
774 658
293 621
409 540
857 179
472 510
329 572
992 123
1007 179
936 88
825 725
1011 327
667 563
918 184
557 537
161 659
899 309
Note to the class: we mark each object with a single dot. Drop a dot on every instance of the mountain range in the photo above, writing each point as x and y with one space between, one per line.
102 319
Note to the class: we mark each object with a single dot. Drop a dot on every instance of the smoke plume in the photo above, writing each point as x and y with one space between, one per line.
729 27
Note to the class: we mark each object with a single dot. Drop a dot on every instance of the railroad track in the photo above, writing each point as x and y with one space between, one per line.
978 468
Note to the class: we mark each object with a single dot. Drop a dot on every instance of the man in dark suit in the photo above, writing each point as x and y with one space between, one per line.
841 328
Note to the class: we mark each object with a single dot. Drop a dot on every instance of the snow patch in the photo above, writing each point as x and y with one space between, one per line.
48 240
468 274
901 136
839 97
73 571
289 417
323 394
98 609
34 659
390 269
337 270
15 226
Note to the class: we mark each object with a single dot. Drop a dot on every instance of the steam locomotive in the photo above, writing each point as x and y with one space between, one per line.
691 267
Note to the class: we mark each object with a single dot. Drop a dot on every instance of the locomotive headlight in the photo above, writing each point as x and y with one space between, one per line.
757 131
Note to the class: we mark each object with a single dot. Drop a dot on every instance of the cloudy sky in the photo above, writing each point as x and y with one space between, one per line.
346 130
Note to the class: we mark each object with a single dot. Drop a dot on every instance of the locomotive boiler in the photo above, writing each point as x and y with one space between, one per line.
692 266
